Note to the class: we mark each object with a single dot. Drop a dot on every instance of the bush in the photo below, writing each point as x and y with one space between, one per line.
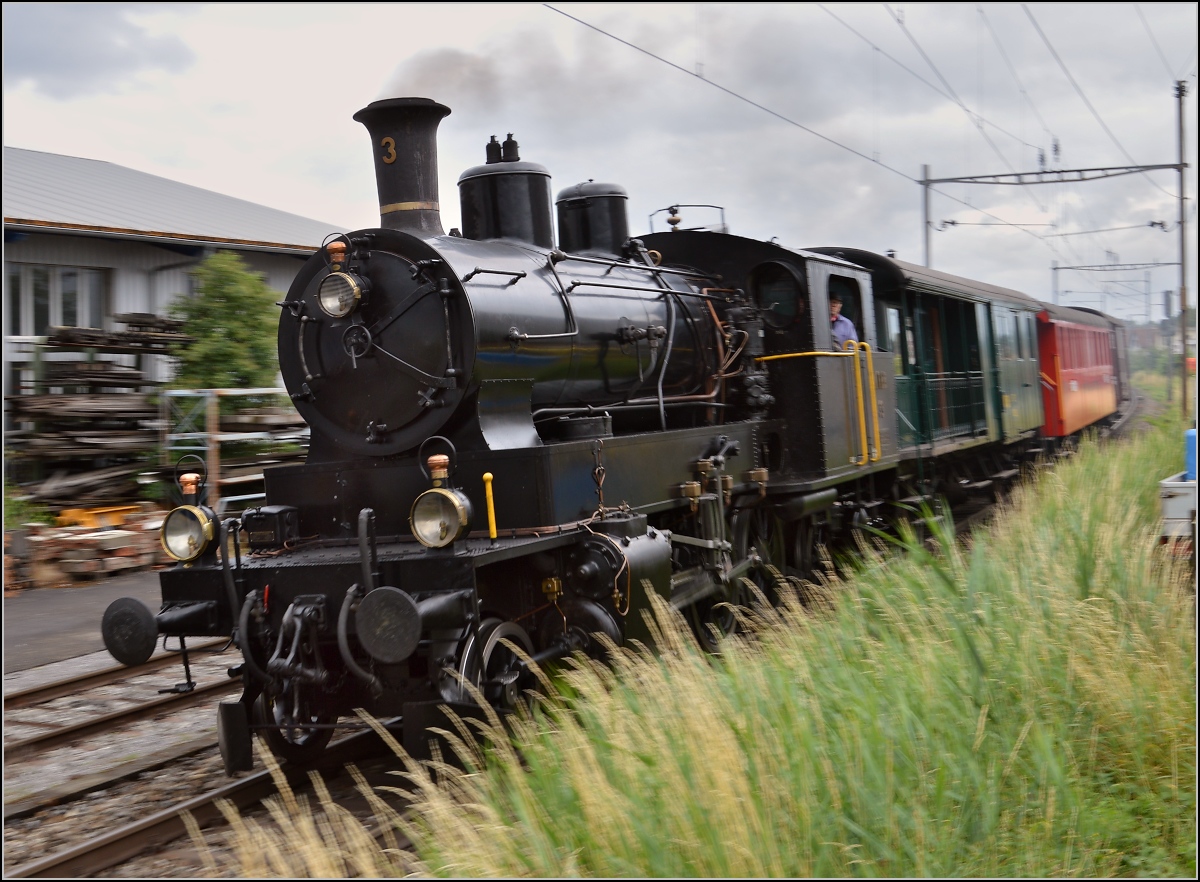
20 509
232 318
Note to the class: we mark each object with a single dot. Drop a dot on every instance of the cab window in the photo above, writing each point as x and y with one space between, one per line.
846 290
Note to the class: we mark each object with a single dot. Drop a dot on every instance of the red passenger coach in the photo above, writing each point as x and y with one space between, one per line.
1079 379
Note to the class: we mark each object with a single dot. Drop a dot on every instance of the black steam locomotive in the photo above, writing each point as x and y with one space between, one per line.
513 443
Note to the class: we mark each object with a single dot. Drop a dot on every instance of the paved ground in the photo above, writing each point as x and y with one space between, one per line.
44 625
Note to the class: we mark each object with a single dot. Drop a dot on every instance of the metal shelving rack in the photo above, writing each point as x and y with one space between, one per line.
191 420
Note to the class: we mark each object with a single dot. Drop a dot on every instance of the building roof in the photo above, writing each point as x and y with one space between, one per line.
47 192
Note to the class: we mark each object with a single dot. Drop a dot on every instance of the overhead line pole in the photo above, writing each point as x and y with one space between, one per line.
925 182
1185 402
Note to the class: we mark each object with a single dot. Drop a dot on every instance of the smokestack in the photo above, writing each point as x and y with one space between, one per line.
404 142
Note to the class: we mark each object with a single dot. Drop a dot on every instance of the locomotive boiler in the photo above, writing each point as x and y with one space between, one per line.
517 443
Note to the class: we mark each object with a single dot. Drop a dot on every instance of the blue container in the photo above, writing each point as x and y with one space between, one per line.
1189 454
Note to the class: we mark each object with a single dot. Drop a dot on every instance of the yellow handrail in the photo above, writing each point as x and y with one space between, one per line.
851 350
800 355
866 347
852 346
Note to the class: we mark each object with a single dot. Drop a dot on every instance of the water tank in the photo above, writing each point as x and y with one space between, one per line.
592 218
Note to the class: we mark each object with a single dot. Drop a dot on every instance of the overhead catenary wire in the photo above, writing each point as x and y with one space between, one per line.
777 115
1166 229
1079 91
1154 42
917 76
1012 70
975 119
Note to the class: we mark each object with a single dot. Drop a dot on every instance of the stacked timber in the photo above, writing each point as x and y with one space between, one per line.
90 424
143 332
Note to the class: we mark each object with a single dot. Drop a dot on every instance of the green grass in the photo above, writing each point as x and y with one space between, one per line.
1020 705
1154 385
21 509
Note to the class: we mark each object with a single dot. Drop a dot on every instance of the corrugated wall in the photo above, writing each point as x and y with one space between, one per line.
141 277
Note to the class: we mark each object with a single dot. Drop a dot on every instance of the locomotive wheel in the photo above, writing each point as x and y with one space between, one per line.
714 619
760 529
493 667
806 549
282 718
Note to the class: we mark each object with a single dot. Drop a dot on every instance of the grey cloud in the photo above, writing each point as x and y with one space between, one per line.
69 50
603 110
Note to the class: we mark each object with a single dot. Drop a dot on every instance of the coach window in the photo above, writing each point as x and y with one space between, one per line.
41 297
895 340
1005 342
14 301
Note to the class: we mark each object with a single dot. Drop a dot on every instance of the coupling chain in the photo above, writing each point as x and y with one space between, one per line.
598 472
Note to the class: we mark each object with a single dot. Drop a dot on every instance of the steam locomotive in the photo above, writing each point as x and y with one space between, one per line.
514 443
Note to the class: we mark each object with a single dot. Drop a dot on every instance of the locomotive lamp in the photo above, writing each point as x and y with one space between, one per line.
340 293
441 514
187 532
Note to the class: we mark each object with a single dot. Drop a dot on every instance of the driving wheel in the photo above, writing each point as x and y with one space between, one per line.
491 665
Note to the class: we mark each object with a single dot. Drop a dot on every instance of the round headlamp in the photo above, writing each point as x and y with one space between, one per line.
187 532
440 516
339 294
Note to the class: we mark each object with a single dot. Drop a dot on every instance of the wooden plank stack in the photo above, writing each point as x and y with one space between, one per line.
90 425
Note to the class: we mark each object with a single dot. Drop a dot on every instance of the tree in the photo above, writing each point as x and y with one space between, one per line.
232 318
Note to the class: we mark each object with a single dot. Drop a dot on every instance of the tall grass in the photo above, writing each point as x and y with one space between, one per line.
1022 705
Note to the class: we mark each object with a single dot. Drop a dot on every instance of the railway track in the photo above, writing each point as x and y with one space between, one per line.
40 710
101 852
106 677
77 735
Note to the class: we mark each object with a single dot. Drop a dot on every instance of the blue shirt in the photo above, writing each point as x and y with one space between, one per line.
842 330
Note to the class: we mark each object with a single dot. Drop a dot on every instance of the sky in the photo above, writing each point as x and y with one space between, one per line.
806 123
